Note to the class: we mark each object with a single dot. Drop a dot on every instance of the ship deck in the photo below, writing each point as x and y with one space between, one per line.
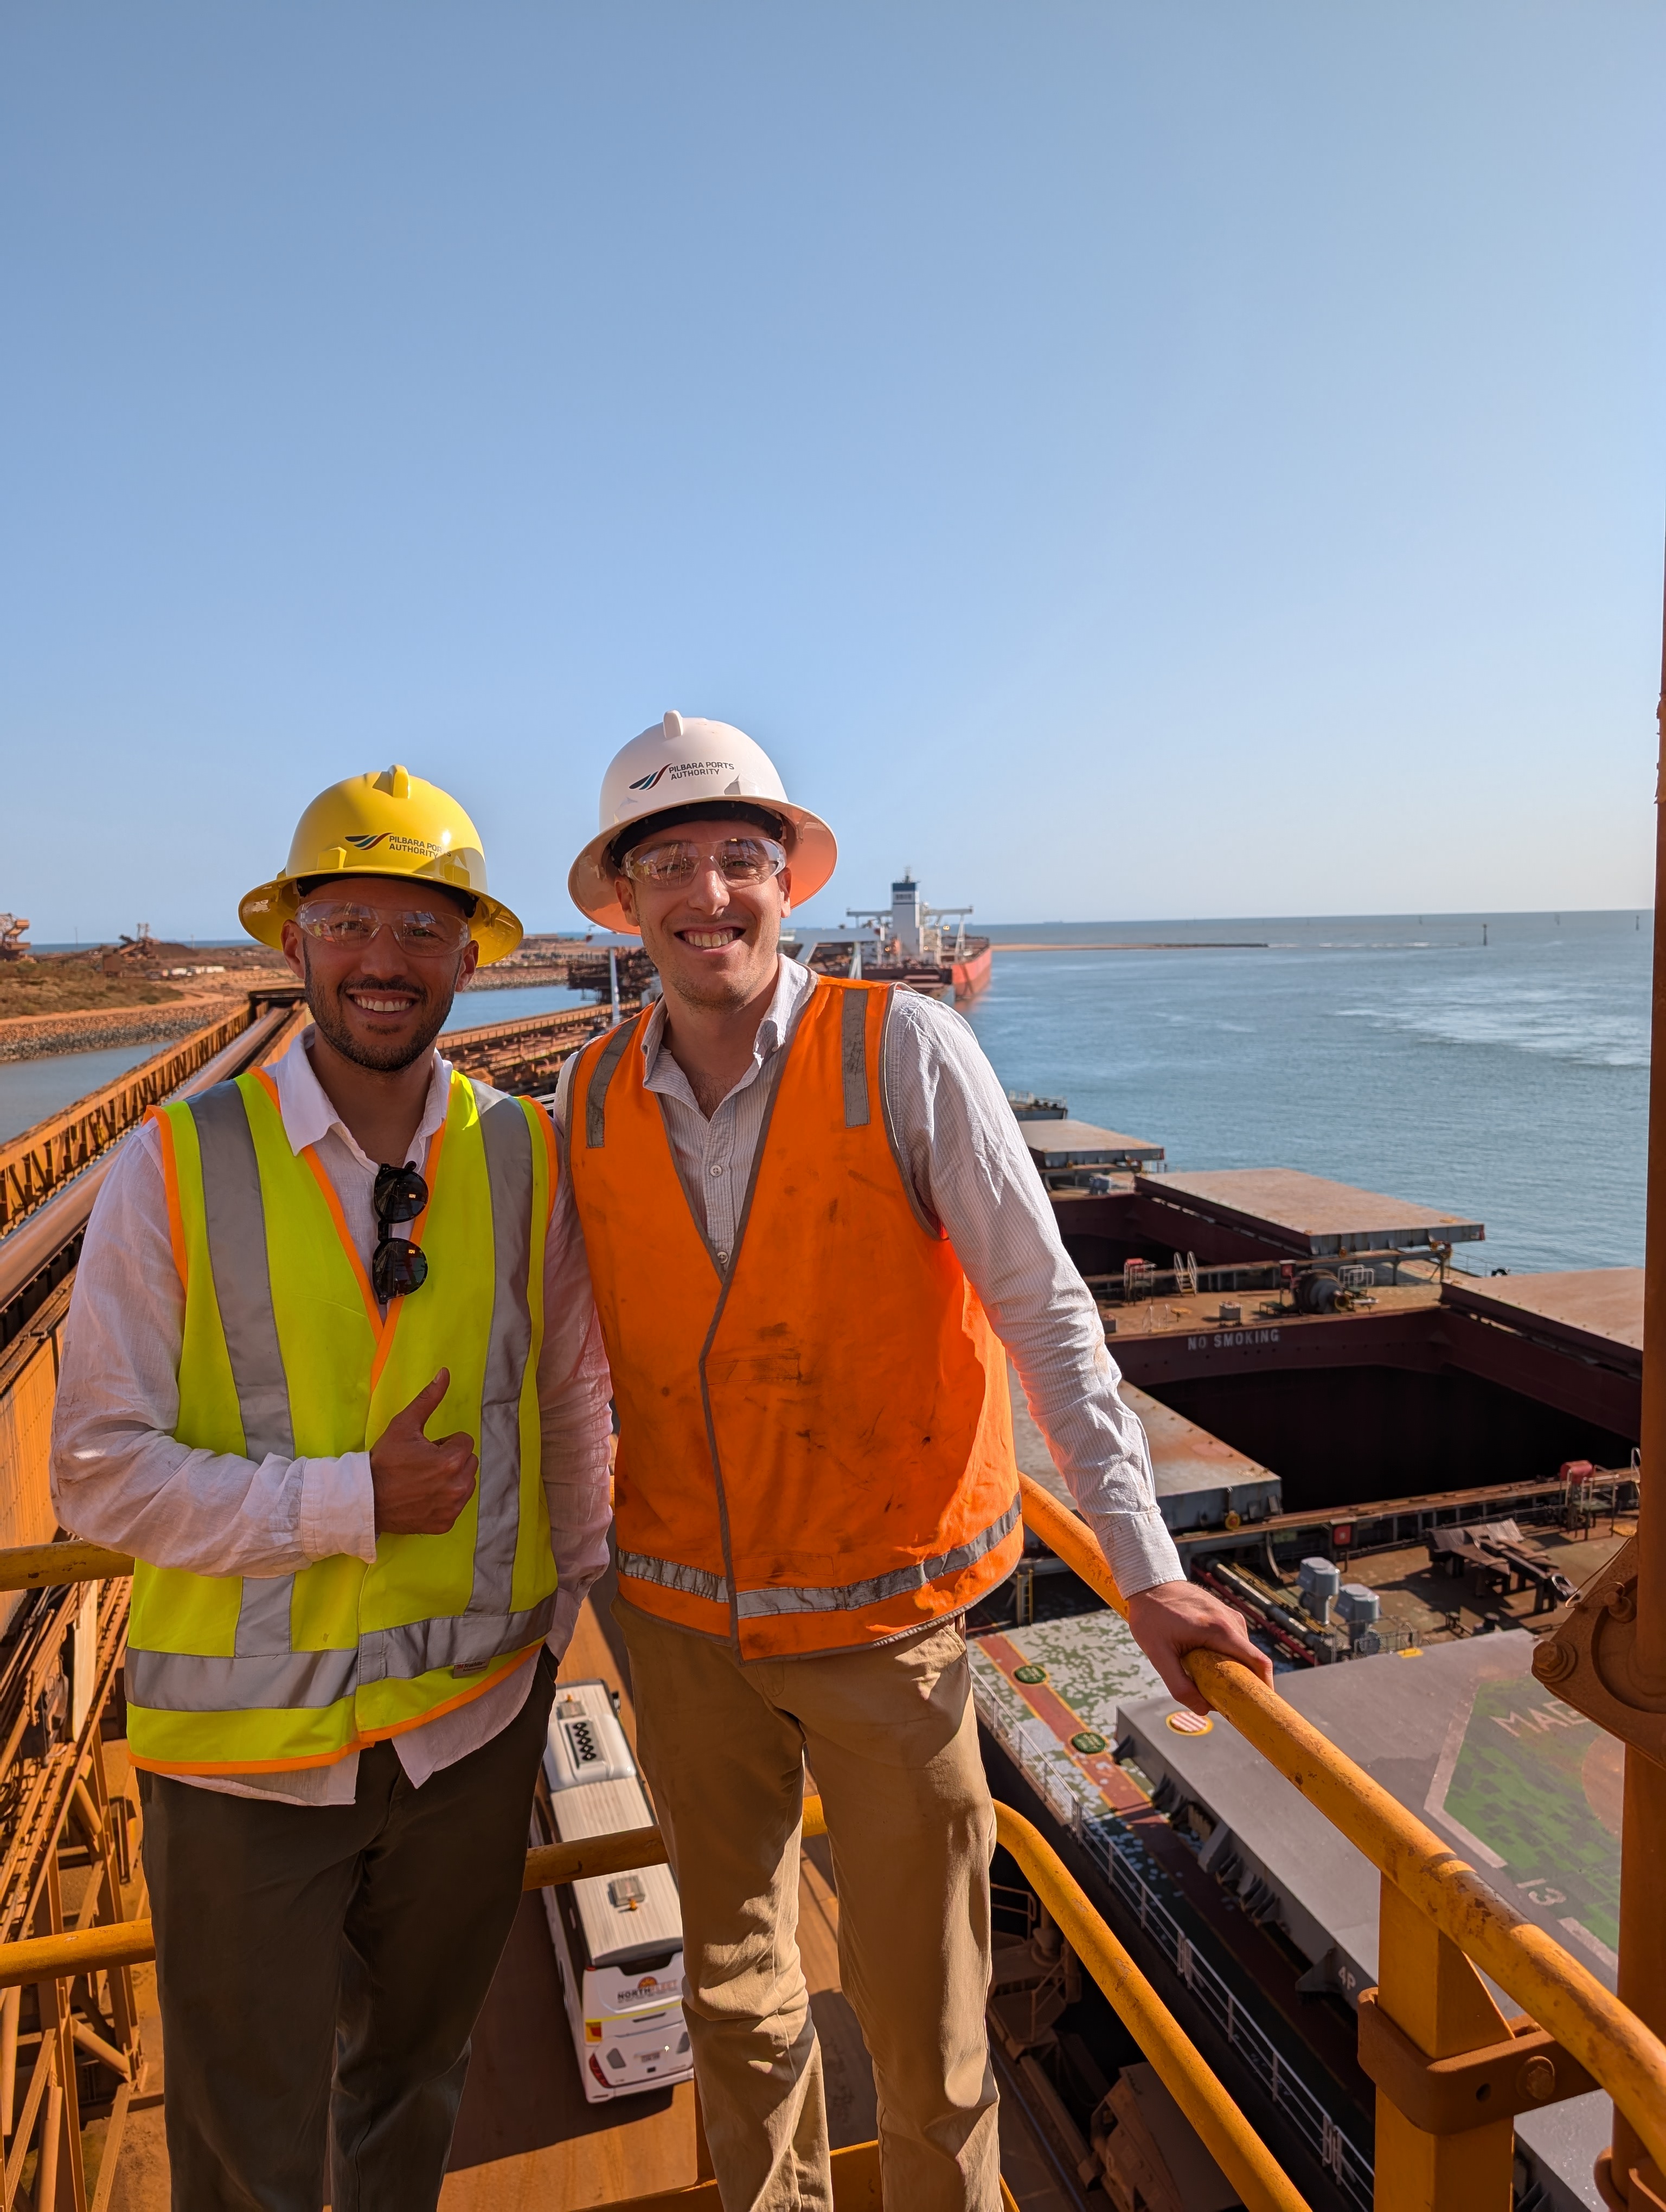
1593 1312
1059 1142
1199 1479
1464 1737
1305 1214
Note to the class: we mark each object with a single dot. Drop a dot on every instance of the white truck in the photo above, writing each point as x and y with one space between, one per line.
619 1938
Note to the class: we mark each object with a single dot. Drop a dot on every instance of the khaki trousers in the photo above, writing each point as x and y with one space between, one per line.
891 1739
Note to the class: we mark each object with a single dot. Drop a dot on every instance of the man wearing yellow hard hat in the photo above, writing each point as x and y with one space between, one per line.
342 1650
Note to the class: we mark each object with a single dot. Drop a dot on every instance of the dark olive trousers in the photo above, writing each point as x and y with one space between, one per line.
320 1969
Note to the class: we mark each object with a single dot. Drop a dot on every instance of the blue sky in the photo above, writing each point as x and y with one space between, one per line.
1123 459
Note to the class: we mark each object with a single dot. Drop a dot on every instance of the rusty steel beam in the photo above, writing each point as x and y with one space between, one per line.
588 971
526 1056
38 1254
43 1570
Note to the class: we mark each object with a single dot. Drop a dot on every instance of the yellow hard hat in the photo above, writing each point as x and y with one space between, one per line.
391 824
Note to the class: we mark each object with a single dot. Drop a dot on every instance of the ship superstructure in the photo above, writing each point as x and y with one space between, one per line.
909 943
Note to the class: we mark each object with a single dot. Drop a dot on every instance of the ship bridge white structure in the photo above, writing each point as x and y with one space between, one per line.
909 929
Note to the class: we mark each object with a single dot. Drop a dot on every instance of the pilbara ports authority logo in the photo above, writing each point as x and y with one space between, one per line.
367 840
677 770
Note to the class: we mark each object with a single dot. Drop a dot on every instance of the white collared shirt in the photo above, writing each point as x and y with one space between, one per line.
966 1160
121 1477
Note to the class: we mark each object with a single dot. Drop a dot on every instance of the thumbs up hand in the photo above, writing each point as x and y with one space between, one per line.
420 1486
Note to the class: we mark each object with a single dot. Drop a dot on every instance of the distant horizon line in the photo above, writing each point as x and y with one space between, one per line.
982 928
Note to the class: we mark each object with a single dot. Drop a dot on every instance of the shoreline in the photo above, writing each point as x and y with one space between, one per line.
99 1029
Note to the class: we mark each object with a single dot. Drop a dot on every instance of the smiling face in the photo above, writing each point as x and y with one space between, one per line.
715 943
380 1004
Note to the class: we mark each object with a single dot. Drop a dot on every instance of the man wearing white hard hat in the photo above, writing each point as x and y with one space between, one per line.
341 1653
815 1236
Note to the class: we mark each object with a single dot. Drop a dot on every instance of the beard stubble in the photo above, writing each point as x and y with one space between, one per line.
325 1007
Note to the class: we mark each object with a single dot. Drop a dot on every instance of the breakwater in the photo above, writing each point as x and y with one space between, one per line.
40 1037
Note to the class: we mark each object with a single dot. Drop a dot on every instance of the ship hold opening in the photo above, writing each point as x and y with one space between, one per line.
1353 1436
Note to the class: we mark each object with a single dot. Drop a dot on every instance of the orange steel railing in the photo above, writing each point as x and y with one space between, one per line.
1439 1923
42 1160
1237 2148
516 1055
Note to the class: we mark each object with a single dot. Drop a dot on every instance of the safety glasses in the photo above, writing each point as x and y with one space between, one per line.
672 864
397 1265
427 933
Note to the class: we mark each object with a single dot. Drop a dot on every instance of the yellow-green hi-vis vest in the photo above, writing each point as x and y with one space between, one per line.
285 1350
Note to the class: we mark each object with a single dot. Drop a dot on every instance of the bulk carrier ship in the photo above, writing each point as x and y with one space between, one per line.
1212 1988
906 944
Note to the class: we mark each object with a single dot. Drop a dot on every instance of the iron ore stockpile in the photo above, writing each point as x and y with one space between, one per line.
1398 1470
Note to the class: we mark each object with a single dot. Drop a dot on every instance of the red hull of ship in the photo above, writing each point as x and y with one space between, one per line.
972 973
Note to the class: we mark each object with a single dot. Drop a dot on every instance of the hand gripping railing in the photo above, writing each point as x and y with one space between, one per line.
1438 1918
1443 2033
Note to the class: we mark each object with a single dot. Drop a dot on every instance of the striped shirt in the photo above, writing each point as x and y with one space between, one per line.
965 1158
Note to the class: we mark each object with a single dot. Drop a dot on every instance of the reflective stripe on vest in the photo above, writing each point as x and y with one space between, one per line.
312 1664
814 1440
847 1597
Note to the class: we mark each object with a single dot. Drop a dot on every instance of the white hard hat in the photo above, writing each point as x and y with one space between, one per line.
685 761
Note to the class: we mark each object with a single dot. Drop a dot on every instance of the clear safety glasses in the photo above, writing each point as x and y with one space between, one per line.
397 1265
672 865
425 932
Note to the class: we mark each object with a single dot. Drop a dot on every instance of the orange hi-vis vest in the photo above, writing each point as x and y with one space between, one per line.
814 1442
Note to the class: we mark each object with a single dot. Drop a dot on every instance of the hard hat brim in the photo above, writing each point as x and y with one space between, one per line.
815 855
263 911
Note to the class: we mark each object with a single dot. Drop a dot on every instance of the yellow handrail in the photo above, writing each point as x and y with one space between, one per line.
130 1943
49 1566
1607 2038
1237 2148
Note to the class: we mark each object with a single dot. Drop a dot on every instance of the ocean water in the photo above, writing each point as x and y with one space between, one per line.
1504 1081
30 1089
476 1010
